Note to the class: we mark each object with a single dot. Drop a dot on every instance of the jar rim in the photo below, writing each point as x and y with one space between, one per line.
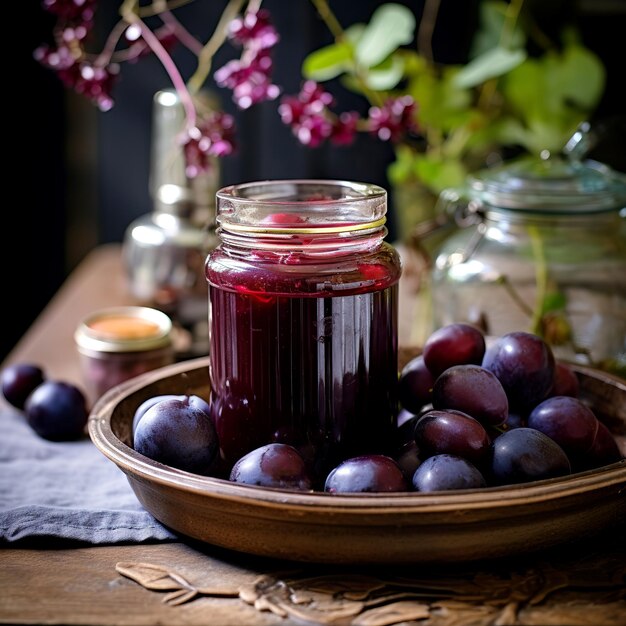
91 339
360 191
301 207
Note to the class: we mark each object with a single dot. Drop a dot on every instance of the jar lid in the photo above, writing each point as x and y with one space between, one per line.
124 329
555 185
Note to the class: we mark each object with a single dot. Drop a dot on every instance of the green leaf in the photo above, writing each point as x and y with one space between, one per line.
439 173
441 104
414 64
490 64
328 62
352 83
524 88
392 25
582 77
385 75
354 32
507 131
555 82
492 15
401 170
553 94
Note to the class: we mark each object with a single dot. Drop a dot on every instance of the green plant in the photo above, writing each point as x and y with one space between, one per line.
519 89
519 92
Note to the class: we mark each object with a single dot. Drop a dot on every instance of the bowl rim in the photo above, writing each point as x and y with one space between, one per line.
377 504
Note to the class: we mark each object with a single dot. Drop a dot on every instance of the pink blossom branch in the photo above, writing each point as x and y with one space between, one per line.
104 58
166 60
110 53
137 48
182 34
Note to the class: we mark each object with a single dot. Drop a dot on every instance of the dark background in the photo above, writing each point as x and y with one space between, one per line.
77 177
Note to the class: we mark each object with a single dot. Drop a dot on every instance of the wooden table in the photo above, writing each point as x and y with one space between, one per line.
59 583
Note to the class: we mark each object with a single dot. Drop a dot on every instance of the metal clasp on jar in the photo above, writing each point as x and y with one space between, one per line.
465 213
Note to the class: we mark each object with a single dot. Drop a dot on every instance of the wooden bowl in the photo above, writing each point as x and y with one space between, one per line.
362 528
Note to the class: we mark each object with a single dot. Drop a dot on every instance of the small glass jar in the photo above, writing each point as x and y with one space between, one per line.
119 343
303 297
543 250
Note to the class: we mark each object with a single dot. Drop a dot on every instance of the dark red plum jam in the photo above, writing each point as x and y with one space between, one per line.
304 340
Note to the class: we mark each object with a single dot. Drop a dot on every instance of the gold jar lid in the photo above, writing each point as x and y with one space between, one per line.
124 329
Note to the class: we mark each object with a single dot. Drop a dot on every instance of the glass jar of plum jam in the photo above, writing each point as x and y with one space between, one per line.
303 307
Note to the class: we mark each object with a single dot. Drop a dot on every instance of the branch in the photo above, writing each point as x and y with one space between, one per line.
182 34
128 12
426 29
205 57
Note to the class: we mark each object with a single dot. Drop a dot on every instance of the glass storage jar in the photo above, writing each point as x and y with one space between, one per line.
543 250
303 297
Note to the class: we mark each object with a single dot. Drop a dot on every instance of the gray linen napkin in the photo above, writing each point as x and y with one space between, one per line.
67 490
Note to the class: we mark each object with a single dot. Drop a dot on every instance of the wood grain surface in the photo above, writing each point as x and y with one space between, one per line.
58 583
579 584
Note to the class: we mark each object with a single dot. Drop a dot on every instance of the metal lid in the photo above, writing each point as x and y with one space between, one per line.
555 185
124 329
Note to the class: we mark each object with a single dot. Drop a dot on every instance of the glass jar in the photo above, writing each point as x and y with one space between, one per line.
303 297
543 250
118 343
